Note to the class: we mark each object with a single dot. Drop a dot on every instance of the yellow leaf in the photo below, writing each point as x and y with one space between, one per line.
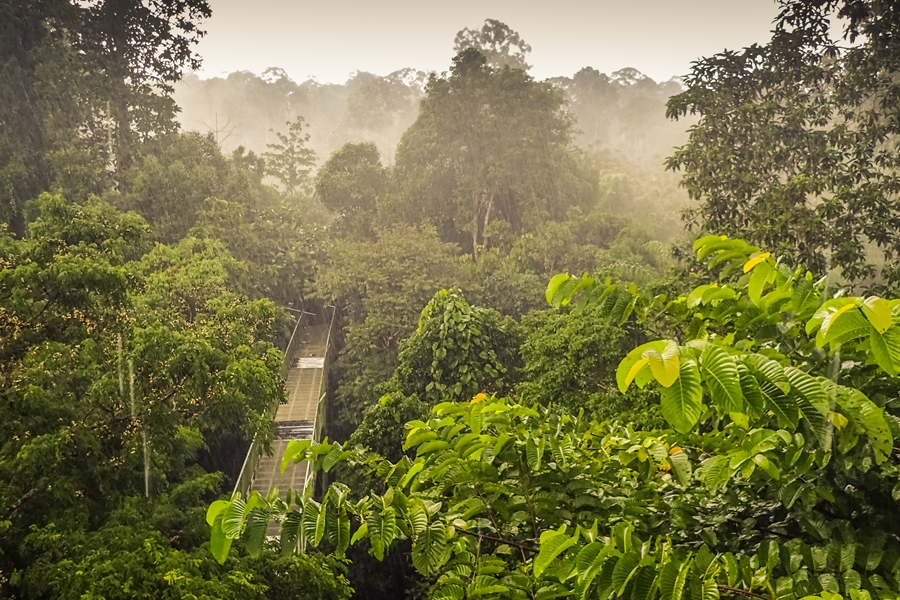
635 369
755 260
665 365
478 398
838 420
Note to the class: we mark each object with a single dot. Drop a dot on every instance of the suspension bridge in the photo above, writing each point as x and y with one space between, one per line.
302 417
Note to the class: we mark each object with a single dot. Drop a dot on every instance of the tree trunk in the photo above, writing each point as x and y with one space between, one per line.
487 217
475 212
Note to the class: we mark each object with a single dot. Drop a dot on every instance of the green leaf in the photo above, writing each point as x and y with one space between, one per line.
309 523
681 466
533 453
844 325
233 518
758 279
255 531
214 509
625 569
338 529
589 563
361 532
871 418
723 381
710 590
553 288
627 364
430 550
294 449
642 587
219 543
750 390
766 465
336 455
885 349
770 371
664 365
553 543
382 530
804 294
784 407
681 403
878 312
809 388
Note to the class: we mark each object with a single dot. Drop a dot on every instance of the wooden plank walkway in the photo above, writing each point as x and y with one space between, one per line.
295 420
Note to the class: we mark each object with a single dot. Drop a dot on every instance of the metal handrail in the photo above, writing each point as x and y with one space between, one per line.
309 478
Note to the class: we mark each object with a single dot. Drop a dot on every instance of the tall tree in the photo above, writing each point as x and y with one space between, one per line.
796 147
290 161
350 183
83 83
500 45
488 144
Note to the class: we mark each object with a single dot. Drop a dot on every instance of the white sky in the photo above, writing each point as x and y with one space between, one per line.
329 39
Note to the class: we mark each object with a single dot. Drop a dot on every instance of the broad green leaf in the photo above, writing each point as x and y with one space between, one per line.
664 365
804 294
382 530
233 518
758 279
309 522
625 569
845 324
553 288
723 381
255 531
589 564
885 349
750 390
878 312
636 368
871 418
533 453
810 388
430 550
337 529
766 465
219 543
827 309
553 543
681 403
295 448
360 533
710 590
627 363
784 407
708 239
642 587
681 466
214 509
770 371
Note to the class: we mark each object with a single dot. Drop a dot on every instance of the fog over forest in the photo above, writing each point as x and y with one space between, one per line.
460 334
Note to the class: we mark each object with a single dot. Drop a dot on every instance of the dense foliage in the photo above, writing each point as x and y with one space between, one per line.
777 447
796 146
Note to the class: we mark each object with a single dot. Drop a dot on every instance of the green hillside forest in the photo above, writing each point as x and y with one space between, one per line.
592 336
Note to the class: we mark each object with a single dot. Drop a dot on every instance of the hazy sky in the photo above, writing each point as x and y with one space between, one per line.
329 39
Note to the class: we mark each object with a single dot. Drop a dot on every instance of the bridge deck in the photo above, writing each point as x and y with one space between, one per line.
295 419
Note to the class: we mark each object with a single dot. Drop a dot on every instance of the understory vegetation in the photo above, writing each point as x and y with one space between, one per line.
547 384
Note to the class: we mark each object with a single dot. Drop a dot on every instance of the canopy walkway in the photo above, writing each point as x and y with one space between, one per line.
302 417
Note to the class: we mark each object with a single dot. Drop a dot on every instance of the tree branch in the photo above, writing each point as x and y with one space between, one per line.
749 594
531 549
